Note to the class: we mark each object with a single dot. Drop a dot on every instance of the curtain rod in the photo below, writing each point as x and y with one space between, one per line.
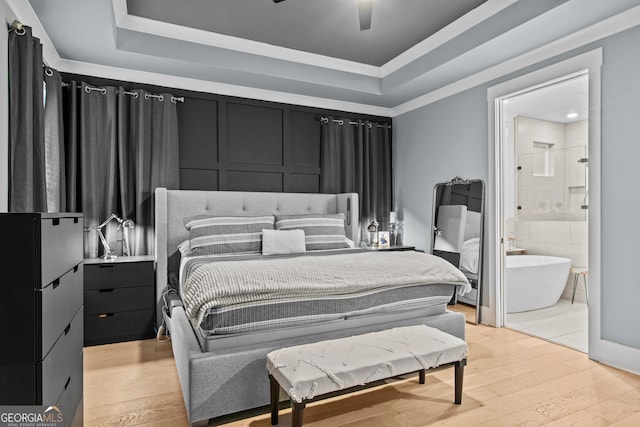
103 91
341 122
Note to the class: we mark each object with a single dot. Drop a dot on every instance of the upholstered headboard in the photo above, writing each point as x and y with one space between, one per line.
172 206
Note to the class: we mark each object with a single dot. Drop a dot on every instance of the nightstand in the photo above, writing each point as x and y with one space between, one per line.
391 248
119 299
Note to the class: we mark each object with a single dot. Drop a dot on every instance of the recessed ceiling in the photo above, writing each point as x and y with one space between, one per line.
311 52
325 27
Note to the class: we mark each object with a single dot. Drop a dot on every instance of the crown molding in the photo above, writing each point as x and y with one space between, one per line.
146 77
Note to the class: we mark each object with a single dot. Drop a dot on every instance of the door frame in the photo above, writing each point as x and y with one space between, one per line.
590 62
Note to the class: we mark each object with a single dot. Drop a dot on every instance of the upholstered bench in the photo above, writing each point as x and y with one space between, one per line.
315 371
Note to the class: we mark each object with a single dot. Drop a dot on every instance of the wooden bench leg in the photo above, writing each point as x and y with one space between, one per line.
459 374
297 413
422 375
275 395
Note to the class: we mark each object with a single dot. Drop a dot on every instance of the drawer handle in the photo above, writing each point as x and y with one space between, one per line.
75 269
75 220
67 383
56 283
105 315
67 329
102 291
56 221
106 266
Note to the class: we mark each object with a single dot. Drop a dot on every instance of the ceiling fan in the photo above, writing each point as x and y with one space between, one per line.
365 8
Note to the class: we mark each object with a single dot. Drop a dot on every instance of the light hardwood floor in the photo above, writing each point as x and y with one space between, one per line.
511 380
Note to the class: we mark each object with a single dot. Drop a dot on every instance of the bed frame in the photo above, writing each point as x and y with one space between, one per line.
227 381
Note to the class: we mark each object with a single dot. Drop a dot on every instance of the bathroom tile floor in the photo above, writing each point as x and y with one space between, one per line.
564 323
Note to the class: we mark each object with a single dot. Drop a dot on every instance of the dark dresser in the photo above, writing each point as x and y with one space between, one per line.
119 299
42 316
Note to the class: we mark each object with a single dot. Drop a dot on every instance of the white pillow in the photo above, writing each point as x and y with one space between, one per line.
282 242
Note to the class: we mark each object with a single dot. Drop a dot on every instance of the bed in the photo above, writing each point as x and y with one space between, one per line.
220 356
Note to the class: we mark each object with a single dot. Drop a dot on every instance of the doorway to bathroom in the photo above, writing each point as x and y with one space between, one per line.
545 210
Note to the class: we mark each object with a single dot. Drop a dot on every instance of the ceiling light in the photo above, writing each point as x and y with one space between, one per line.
572 115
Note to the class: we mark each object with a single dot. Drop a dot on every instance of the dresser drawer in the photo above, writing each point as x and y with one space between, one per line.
59 301
57 366
112 300
118 275
70 400
61 242
112 327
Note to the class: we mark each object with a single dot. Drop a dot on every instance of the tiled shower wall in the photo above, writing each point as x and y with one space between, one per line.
553 237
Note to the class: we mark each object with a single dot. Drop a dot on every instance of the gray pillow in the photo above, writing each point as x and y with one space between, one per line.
321 231
224 234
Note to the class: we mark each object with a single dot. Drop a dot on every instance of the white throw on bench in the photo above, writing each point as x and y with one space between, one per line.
314 371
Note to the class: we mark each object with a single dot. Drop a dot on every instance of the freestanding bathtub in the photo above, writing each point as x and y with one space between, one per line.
533 282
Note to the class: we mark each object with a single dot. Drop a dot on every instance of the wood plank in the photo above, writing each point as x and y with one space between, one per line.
511 379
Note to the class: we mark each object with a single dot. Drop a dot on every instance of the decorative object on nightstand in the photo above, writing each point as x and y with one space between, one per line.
373 232
119 298
41 360
125 225
392 228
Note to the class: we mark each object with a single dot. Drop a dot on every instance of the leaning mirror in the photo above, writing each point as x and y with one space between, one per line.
458 218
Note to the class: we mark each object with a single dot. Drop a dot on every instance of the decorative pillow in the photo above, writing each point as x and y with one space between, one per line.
283 242
224 235
321 231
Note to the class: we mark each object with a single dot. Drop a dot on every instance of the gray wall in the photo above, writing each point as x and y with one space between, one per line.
449 138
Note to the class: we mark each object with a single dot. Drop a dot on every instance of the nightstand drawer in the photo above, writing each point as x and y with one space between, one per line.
115 327
114 300
61 246
60 302
118 275
60 361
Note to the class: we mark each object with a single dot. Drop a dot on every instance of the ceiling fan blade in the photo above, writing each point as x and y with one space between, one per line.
365 9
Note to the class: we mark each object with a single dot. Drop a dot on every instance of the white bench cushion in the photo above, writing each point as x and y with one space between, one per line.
310 370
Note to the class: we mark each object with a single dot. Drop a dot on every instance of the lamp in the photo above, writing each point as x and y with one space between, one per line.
125 225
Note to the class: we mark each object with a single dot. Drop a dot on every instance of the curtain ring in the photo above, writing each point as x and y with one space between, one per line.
161 98
86 89
135 95
18 27
146 96
340 122
103 91
48 71
370 125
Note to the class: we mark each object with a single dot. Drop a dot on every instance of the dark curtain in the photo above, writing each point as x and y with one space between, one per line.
27 187
97 160
356 157
54 143
148 157
120 146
